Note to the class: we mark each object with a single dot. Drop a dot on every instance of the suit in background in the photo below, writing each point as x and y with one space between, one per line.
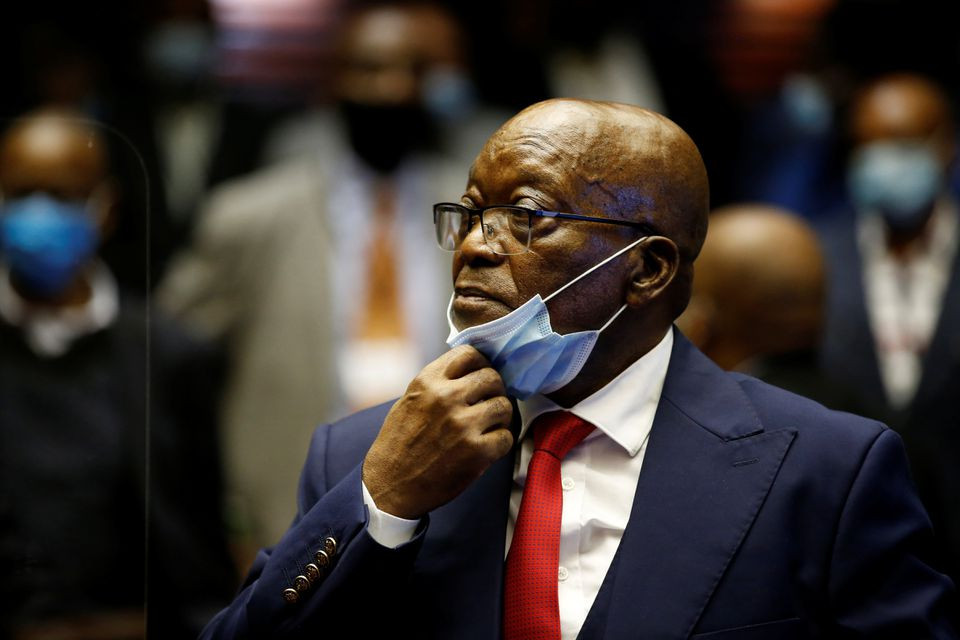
893 304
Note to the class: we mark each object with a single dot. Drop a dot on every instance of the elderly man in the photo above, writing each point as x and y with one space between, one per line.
689 502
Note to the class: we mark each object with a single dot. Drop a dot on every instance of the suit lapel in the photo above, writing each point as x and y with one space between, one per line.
851 355
943 354
459 571
708 468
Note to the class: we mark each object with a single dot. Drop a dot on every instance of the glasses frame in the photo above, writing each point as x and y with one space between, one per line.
540 213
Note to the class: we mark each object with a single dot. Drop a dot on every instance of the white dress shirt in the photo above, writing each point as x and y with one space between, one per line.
51 331
904 295
598 477
373 371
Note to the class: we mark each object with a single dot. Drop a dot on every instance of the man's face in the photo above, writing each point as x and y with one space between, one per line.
388 53
533 172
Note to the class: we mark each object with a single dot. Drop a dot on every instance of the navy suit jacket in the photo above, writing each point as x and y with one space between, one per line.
930 424
758 514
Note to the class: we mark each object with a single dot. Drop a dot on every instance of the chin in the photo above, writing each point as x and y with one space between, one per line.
466 314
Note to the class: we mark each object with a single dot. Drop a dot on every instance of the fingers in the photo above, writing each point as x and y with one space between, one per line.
482 384
489 414
497 443
460 361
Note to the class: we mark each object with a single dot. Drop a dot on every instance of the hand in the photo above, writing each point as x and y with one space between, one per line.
452 423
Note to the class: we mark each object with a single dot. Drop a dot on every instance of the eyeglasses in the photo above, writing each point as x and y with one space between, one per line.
507 229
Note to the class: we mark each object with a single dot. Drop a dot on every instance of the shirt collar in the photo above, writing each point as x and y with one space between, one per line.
51 332
938 241
623 409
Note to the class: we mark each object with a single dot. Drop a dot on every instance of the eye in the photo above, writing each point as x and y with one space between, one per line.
519 221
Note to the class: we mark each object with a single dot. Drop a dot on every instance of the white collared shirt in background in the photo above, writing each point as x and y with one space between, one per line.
598 478
904 295
51 331
371 372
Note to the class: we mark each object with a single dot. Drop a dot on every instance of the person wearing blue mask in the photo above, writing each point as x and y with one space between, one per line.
83 371
573 466
893 302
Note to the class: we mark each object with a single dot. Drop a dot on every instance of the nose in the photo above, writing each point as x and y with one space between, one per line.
474 246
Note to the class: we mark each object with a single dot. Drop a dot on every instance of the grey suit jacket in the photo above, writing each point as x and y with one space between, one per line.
259 277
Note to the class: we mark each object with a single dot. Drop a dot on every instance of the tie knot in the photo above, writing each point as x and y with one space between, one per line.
559 431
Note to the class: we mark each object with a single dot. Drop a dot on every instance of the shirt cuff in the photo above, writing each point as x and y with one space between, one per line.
386 529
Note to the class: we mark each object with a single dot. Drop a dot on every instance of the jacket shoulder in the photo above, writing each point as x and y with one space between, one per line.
338 447
779 408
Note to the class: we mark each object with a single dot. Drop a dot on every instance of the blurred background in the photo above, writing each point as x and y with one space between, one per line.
273 164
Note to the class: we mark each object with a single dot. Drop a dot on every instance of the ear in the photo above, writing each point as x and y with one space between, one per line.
657 266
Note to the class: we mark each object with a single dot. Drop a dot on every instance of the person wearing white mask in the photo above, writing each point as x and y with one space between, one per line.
893 301
573 466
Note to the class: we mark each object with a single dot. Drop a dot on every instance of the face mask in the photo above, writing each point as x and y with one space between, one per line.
525 350
899 180
448 95
45 241
385 135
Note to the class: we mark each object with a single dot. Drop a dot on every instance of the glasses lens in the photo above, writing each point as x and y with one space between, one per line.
451 224
506 230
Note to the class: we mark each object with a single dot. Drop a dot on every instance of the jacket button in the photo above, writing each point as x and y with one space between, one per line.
291 596
323 560
312 572
330 545
301 583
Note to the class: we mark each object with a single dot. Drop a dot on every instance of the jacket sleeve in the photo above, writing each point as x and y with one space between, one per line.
284 597
881 581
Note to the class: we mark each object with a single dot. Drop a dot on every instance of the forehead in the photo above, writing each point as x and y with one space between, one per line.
507 168
898 110
51 156
574 166
394 35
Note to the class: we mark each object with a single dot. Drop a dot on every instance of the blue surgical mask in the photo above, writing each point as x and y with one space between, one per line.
45 241
525 350
897 179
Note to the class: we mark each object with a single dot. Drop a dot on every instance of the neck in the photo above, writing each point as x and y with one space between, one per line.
76 294
609 359
900 241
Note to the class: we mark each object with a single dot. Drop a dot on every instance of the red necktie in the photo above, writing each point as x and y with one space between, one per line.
531 610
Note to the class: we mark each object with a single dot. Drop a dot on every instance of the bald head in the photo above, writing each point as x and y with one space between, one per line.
759 286
616 160
54 151
903 106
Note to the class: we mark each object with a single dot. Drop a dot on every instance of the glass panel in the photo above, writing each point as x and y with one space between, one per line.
110 512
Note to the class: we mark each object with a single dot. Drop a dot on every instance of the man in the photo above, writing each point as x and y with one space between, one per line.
269 257
99 406
755 514
758 301
893 307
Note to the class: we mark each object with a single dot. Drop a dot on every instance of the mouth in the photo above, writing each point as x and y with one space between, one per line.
470 293
473 305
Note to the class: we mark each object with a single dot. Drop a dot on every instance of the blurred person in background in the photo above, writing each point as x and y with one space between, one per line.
416 53
893 312
774 66
314 272
99 407
758 300
70 56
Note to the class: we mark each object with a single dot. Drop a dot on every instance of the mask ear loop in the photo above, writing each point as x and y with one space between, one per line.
597 266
